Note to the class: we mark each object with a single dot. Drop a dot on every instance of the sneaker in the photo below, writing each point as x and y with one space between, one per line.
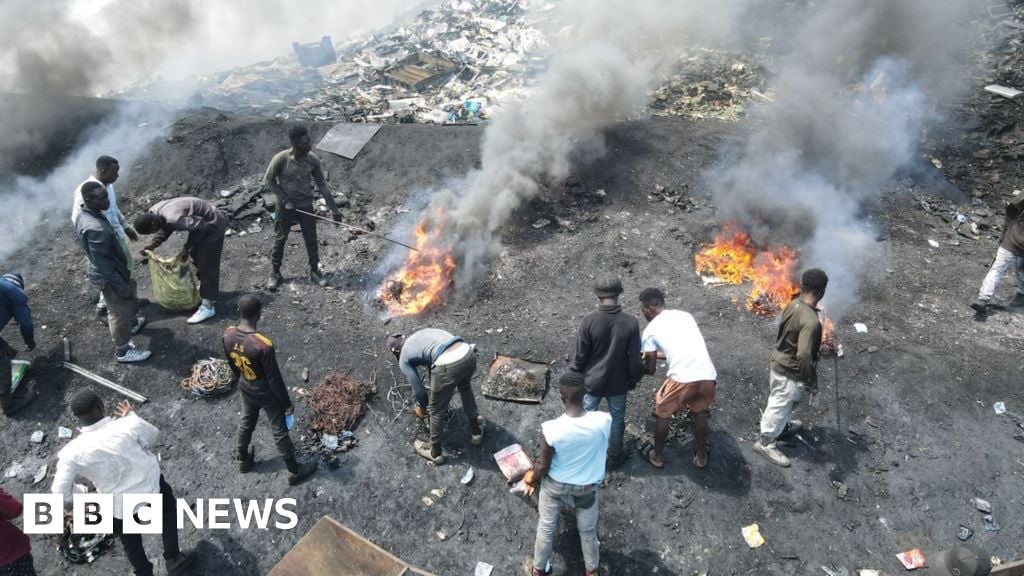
529 570
179 564
317 278
305 470
980 306
133 354
1017 301
275 281
476 439
202 314
140 322
772 453
793 427
245 464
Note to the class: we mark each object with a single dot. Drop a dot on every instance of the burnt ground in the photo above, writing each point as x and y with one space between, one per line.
918 440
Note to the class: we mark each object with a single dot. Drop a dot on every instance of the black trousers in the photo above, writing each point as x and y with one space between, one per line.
274 408
21 567
283 226
206 250
133 542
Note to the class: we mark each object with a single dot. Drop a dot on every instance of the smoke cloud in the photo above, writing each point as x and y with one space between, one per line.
863 80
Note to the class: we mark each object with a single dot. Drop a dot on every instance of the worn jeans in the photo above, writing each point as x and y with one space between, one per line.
121 315
444 381
783 398
205 250
1000 266
553 497
133 542
617 408
283 226
268 403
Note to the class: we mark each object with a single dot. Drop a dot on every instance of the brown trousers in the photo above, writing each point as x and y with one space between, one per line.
121 315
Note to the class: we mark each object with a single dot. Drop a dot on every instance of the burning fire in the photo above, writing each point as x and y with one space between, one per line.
733 259
424 277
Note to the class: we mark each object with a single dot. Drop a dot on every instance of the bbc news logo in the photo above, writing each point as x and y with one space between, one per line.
144 513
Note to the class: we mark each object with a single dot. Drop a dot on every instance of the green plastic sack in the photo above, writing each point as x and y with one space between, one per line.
174 284
18 369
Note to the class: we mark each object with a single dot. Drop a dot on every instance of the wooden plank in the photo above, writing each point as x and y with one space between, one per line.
1009 569
330 547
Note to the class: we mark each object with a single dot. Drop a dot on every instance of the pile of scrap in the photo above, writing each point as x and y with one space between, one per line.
516 380
338 403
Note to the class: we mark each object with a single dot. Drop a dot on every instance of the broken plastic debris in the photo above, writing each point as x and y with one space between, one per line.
427 501
1004 91
441 535
860 327
330 441
999 407
933 243
14 470
753 536
63 433
37 437
990 523
912 559
541 223
963 533
937 163
41 474
982 505
868 573
483 569
467 477
438 493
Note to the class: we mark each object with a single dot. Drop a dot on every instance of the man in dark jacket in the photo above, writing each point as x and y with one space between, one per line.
794 365
206 227
108 270
14 304
1010 254
253 360
608 356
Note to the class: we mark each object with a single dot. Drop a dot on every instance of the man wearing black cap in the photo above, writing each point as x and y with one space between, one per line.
14 304
794 365
450 364
608 356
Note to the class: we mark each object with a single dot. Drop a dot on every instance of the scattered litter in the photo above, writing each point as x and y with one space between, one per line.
347 435
37 437
1004 91
427 501
64 433
467 477
912 559
842 490
513 462
861 328
990 524
483 569
753 536
226 193
541 223
937 163
41 474
982 505
963 533
516 379
14 470
438 493
330 441
305 374
864 572
442 535
999 407
933 243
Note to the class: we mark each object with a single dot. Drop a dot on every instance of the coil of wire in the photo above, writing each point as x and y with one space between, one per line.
210 377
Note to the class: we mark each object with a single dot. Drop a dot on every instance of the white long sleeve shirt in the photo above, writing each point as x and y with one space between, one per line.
114 216
113 454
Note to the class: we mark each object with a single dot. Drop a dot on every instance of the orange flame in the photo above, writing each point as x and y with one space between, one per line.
424 277
733 259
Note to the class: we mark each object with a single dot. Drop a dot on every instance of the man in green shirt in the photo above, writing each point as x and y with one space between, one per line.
290 177
794 365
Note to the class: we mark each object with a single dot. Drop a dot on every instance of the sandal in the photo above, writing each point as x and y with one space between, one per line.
646 448
707 456
423 449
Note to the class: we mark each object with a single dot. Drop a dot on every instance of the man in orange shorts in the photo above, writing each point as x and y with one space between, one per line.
690 381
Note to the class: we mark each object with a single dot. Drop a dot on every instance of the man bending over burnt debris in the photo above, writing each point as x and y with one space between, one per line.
253 360
1009 254
109 271
608 356
450 363
569 470
794 365
14 304
206 226
290 177
690 381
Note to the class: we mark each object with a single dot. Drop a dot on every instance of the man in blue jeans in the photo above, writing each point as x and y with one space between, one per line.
571 465
608 356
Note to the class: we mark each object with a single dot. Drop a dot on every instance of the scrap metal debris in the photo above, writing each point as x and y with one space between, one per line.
210 377
338 403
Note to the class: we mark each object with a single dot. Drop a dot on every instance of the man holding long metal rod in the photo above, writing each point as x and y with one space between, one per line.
290 177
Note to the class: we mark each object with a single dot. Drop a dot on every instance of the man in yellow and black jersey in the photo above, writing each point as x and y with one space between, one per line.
261 387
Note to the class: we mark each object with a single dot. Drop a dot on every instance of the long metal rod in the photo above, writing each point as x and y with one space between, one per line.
104 382
357 228
835 385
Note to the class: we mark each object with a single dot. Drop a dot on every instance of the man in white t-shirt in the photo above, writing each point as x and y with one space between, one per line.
690 381
107 169
573 448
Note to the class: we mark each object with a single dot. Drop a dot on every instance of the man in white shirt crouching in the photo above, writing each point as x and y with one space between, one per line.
114 454
573 449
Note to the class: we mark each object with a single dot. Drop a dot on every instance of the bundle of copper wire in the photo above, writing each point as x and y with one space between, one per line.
338 403
210 377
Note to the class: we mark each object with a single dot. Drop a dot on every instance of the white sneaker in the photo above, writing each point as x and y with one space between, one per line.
202 314
772 453
133 354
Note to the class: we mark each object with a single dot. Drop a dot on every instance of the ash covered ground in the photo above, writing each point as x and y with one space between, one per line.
918 438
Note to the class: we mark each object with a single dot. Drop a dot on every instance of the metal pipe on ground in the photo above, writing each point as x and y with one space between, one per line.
105 383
